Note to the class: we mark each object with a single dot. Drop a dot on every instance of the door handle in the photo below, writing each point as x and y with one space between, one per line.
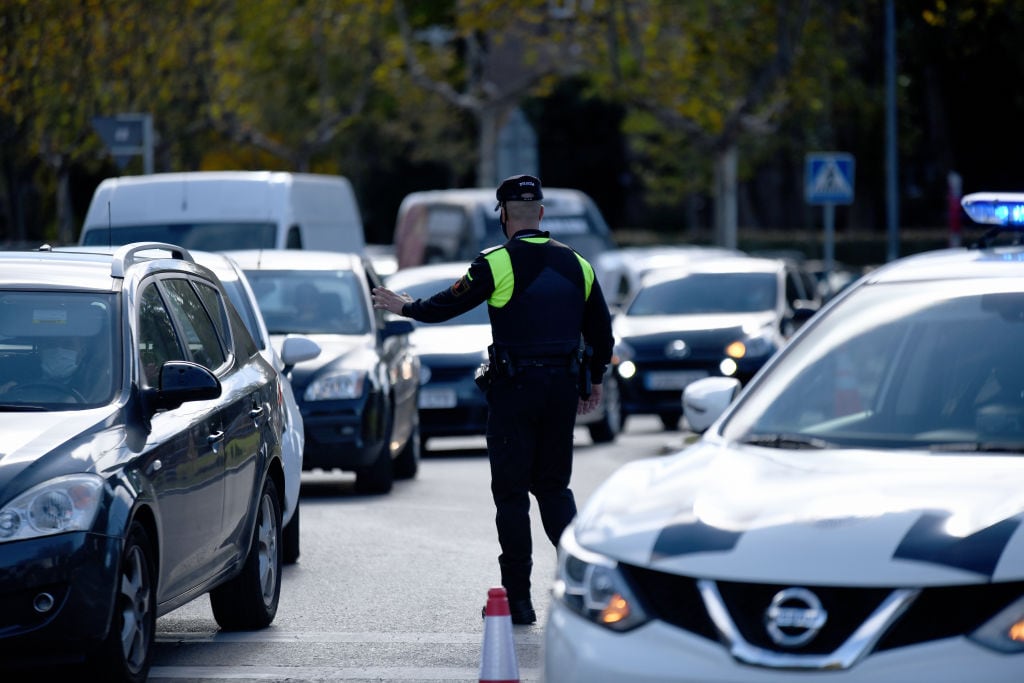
256 412
215 437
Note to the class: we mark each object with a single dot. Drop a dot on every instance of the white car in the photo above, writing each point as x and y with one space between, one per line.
294 349
855 513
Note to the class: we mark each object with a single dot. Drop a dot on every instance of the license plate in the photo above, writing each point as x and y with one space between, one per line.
437 398
672 379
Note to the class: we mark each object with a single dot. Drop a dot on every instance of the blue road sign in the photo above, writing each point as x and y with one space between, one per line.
126 136
828 178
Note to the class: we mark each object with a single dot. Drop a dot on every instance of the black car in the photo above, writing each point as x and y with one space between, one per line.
358 397
712 317
141 464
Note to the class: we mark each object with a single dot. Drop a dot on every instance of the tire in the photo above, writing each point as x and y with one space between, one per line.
609 426
407 464
290 539
127 652
249 601
670 421
379 476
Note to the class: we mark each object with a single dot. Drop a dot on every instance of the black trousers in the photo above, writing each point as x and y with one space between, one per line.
530 426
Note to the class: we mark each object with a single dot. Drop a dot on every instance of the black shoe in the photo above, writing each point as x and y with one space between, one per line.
521 611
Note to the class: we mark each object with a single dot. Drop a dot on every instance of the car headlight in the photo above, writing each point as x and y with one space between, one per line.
336 385
68 503
1005 631
622 360
753 346
593 586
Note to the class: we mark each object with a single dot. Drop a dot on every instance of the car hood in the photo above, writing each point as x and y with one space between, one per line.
865 518
38 446
451 340
332 347
639 326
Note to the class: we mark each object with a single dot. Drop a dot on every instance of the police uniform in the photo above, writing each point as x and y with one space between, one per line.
541 297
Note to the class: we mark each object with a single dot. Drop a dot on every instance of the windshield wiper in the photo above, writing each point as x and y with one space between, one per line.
20 408
978 447
781 440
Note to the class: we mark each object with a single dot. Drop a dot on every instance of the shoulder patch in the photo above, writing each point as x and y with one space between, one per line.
461 286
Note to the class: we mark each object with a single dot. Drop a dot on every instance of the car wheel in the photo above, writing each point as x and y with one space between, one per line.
379 476
408 461
290 539
670 421
249 601
610 425
127 652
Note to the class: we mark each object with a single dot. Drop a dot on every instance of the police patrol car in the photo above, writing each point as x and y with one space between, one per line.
855 513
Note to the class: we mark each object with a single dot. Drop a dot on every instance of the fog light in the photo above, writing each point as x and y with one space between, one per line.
728 367
43 603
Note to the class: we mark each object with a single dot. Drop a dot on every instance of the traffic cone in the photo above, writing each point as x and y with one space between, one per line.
498 657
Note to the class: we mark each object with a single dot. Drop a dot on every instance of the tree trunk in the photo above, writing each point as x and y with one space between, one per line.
65 214
725 198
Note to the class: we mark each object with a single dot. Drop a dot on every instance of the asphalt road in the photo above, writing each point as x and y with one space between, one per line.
390 587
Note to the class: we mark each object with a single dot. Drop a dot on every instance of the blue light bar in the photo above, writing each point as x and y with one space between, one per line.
995 208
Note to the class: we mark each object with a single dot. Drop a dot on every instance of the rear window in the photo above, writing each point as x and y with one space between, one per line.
201 236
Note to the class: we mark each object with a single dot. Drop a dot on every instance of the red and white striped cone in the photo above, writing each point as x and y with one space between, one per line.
498 657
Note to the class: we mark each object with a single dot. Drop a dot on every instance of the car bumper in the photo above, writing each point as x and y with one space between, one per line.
576 651
340 435
660 390
79 572
463 420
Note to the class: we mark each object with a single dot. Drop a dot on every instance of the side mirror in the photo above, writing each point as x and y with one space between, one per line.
182 381
705 400
295 349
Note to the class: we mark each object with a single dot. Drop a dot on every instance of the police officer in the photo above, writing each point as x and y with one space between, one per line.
546 309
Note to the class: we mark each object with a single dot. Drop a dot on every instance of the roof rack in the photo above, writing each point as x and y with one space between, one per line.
129 254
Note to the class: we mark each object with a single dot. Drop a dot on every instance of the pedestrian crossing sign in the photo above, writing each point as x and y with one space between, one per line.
828 178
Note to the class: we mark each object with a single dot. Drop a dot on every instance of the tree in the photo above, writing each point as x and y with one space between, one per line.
699 79
485 58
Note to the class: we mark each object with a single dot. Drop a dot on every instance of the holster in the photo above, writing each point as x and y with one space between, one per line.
483 377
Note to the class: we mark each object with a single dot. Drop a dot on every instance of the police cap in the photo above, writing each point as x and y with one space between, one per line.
519 188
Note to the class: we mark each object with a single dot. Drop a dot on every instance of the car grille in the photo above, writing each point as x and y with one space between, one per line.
937 612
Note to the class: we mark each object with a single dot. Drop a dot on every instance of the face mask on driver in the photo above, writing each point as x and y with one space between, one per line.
59 363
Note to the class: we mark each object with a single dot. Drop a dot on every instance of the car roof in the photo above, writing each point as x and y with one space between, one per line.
953 264
90 268
427 273
724 264
296 259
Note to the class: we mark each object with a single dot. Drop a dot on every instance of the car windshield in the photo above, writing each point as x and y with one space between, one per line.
907 365
219 236
424 290
704 293
58 350
311 302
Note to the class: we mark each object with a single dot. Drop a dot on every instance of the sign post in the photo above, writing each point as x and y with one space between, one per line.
127 135
828 180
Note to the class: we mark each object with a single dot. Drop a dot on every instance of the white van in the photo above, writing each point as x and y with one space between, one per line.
220 210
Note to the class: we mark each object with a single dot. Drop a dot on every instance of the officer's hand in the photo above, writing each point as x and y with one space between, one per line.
388 300
588 404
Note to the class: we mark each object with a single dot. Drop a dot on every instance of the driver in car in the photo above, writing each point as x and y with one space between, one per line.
59 358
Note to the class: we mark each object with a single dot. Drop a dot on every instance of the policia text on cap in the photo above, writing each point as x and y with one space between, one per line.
551 332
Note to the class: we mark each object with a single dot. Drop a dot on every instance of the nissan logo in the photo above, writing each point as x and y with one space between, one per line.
794 617
677 348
